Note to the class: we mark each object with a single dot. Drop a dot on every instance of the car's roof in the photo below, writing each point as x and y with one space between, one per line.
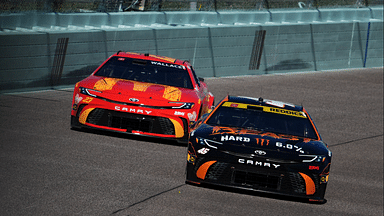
152 57
264 102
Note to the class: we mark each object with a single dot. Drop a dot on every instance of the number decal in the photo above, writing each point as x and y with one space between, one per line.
203 151
289 146
88 100
260 152
279 144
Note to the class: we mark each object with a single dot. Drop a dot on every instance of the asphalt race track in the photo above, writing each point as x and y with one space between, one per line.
48 169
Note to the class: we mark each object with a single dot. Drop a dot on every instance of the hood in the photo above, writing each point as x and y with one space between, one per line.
144 93
251 143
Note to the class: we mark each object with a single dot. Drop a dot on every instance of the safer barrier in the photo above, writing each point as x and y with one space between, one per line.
46 50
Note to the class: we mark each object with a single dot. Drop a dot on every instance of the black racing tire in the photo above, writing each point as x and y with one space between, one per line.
75 124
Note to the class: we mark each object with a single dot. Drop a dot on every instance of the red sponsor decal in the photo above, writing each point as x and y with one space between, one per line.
314 167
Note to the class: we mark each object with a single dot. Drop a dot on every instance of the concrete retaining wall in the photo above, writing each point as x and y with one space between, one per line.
217 44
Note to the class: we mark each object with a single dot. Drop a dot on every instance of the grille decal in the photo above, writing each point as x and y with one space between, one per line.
84 115
202 171
309 184
129 121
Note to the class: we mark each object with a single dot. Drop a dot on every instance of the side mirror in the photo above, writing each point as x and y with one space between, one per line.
201 79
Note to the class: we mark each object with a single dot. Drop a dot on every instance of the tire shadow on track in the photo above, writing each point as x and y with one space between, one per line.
258 193
141 138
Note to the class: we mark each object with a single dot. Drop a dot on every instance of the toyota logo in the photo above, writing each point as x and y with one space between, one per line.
260 152
134 99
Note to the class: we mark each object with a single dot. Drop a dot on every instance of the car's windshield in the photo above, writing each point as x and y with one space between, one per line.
146 71
257 119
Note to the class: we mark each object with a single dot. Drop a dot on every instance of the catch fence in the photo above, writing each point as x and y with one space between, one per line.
70 6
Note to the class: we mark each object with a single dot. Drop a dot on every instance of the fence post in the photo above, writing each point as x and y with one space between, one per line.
266 4
366 45
316 4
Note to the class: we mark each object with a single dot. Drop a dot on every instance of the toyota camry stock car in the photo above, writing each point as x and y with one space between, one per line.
141 94
260 145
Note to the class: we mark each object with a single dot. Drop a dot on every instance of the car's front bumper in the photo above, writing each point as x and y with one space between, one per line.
132 120
228 173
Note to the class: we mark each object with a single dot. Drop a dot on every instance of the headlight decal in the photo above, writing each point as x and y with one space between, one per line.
205 141
209 143
89 92
183 105
313 158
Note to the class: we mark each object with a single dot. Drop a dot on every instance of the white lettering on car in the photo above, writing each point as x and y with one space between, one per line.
258 163
179 113
168 65
132 110
235 138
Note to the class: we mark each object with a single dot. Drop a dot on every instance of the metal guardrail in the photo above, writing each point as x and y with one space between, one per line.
70 6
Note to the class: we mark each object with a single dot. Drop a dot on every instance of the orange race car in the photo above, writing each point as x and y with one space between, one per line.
141 94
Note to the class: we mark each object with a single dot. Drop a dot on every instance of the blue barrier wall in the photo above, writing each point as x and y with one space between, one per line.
217 44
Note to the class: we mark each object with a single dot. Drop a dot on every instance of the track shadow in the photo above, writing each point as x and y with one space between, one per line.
135 137
293 64
258 193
